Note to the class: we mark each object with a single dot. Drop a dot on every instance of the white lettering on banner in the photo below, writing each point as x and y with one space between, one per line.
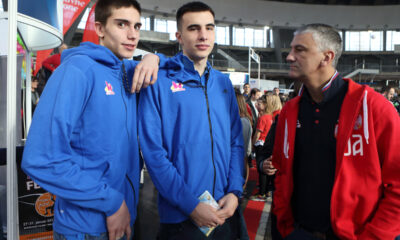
355 146
70 8
30 184
74 2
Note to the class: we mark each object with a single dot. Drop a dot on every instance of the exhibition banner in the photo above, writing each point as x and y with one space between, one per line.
90 35
71 10
35 205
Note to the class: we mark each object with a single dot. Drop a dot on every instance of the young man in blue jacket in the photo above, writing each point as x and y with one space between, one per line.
82 145
190 134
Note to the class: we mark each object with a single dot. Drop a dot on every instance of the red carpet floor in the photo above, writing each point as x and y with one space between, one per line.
253 210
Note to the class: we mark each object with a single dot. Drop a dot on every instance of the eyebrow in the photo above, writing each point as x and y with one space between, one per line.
127 21
198 25
299 46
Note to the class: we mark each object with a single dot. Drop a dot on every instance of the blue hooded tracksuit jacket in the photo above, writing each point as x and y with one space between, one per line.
82 144
191 137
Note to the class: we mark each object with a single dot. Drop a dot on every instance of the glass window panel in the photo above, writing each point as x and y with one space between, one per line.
259 38
160 25
238 36
249 37
376 39
392 38
171 25
222 35
145 23
365 43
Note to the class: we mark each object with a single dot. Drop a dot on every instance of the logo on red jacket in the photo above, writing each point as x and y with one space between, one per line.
109 89
358 123
177 87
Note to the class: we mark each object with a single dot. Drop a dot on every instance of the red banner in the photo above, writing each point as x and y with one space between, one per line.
72 9
90 35
40 57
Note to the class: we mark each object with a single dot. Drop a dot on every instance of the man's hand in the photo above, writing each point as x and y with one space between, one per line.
228 205
118 224
267 167
145 72
206 215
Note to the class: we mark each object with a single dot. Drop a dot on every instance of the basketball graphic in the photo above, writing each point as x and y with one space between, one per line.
45 205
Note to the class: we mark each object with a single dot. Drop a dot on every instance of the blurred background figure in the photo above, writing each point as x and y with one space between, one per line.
48 66
388 93
246 91
35 93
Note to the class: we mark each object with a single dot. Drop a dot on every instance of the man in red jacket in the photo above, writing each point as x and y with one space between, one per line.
336 150
52 62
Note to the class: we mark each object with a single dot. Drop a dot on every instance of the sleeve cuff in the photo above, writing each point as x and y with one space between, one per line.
189 203
162 60
113 202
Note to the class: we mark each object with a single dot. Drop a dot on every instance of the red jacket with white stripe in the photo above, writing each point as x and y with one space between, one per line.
365 200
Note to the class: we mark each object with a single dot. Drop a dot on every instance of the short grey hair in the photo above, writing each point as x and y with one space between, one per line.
326 38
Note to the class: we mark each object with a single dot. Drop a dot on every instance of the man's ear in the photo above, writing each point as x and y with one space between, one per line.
329 56
178 36
99 29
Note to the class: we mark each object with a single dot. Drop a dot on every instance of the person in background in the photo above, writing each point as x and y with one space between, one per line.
268 106
51 63
246 90
276 91
35 94
245 118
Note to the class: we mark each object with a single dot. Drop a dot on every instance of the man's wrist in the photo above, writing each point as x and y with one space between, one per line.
238 194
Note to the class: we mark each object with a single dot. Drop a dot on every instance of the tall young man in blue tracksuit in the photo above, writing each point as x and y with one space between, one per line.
82 145
190 134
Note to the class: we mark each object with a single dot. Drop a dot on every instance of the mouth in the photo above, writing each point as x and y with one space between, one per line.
202 46
130 47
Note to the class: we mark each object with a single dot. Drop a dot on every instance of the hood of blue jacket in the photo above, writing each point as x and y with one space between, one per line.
96 52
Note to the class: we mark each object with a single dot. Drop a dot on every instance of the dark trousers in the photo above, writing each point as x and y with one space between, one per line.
301 233
263 179
188 230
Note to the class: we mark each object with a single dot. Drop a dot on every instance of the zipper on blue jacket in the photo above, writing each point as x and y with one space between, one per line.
210 125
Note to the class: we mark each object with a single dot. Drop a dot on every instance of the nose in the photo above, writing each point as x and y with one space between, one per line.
133 33
290 57
203 34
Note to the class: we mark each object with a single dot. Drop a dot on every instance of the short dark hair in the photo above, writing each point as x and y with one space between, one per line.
246 84
386 88
192 7
103 8
254 91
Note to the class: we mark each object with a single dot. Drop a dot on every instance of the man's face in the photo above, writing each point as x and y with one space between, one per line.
390 94
246 89
197 35
256 96
276 91
34 84
121 32
304 57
